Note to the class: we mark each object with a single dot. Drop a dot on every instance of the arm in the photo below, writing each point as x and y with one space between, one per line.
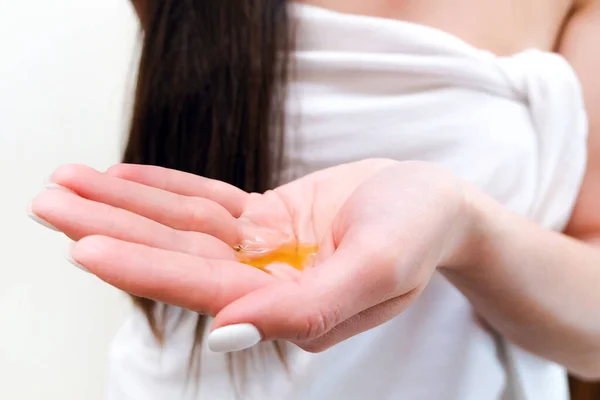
538 288
580 47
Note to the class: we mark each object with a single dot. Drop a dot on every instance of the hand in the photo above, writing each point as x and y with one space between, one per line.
383 227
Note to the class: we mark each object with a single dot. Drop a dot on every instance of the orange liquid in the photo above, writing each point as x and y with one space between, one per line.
296 255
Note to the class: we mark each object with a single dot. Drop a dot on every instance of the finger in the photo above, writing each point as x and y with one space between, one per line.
78 217
194 283
183 183
283 271
362 322
177 211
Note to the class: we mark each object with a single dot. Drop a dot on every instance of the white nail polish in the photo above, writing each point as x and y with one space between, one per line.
70 259
39 220
233 338
56 186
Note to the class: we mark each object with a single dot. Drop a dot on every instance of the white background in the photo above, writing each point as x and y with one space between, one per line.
65 70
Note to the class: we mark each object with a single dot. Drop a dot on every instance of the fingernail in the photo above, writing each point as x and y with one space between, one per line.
233 338
56 186
39 220
70 259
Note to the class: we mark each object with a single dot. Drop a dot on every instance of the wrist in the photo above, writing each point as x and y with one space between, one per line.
470 230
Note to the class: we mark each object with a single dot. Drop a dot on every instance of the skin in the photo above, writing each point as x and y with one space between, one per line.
482 23
384 228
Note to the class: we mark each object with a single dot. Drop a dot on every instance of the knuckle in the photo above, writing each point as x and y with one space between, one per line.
113 227
198 213
315 347
194 212
181 241
316 324
313 327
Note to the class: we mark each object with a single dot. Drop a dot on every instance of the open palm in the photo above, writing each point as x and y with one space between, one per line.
382 227
304 211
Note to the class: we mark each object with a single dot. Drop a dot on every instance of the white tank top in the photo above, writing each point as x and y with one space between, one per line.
368 87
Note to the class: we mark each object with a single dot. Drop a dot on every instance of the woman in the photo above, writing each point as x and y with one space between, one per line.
444 278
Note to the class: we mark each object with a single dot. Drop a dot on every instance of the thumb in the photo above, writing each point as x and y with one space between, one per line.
282 311
305 308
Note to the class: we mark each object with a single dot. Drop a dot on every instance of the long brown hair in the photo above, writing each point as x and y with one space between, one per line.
210 100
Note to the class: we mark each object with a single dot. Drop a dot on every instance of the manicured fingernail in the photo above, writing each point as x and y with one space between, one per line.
39 220
233 338
56 186
70 259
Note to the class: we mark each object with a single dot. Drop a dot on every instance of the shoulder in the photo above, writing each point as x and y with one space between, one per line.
578 46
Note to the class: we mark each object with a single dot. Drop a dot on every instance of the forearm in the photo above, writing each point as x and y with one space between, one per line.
538 288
